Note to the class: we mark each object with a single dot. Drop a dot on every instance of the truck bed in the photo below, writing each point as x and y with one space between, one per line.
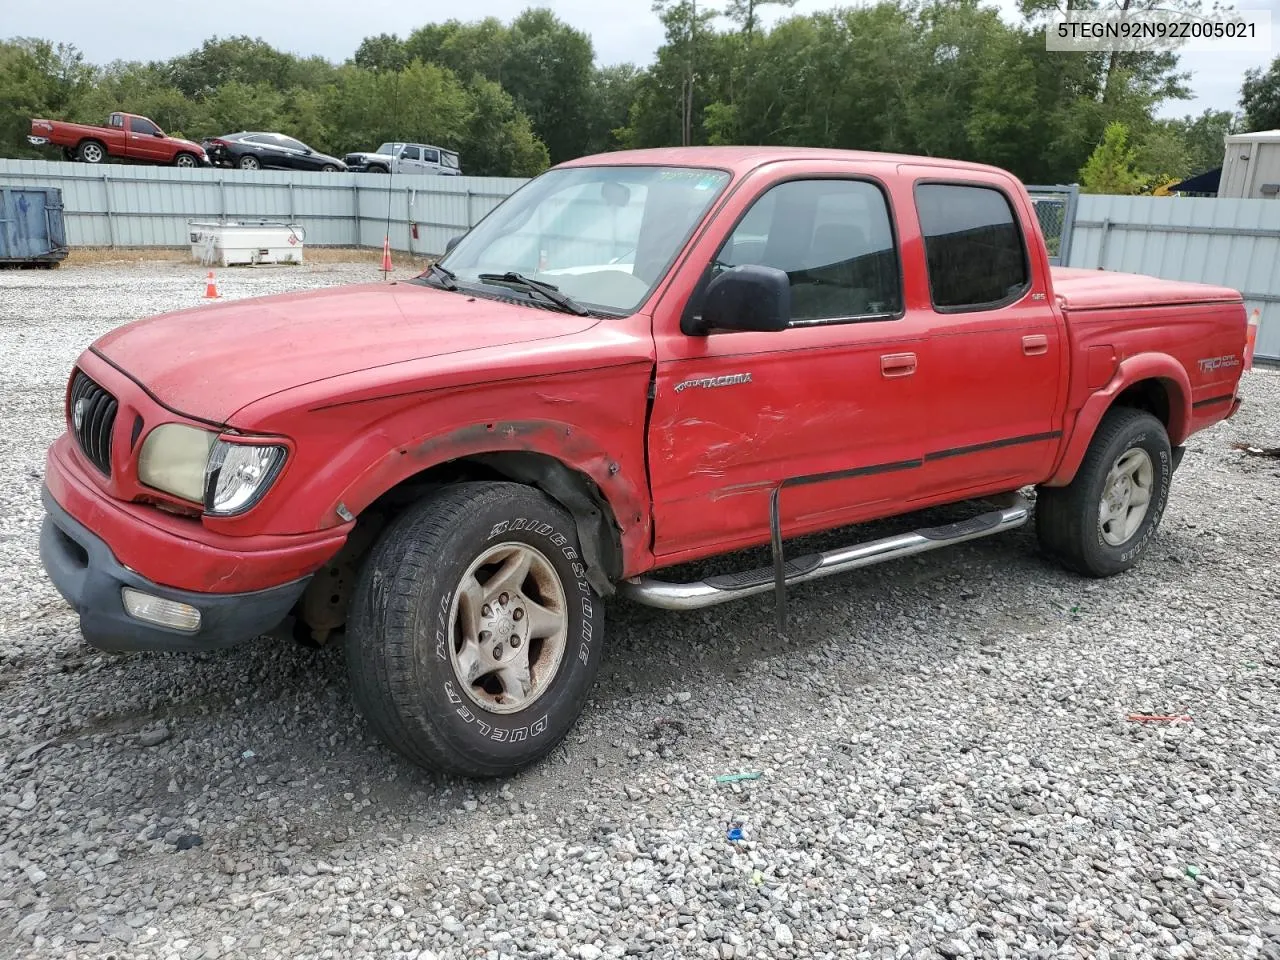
1105 289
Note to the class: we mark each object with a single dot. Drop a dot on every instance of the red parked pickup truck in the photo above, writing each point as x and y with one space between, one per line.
125 136
638 360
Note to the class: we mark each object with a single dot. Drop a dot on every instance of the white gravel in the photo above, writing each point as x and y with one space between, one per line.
946 765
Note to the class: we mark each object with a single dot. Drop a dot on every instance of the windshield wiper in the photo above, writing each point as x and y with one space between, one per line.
548 291
447 276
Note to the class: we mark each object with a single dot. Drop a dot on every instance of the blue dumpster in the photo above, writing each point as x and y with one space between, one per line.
32 231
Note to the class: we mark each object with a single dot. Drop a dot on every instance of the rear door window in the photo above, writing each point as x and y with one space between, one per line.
977 259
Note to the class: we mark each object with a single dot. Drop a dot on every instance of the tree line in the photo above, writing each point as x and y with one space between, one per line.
943 78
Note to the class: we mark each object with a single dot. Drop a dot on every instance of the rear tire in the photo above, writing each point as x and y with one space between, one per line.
91 151
1102 522
474 636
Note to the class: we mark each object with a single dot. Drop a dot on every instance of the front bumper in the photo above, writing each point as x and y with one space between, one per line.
90 578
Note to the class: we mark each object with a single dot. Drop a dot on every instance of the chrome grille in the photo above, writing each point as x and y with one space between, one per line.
93 415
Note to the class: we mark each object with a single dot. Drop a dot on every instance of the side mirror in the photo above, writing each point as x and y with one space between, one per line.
158 133
452 242
404 154
749 297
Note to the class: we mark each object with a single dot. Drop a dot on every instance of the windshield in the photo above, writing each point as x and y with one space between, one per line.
450 159
604 236
391 149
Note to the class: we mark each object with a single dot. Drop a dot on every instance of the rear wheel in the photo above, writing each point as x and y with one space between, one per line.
1101 523
474 637
91 151
249 162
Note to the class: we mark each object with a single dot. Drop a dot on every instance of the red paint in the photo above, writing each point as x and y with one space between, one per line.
131 140
368 385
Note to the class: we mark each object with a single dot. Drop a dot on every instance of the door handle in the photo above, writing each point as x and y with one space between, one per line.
898 364
1035 345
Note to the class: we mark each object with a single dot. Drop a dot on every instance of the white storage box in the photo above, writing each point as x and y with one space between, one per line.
234 242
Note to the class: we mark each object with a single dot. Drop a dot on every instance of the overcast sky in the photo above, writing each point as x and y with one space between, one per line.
622 30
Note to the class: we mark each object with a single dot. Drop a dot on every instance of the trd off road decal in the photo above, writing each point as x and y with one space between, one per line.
1210 364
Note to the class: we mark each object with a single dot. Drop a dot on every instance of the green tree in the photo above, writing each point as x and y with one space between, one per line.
383 53
1260 98
548 72
1112 167
38 79
499 140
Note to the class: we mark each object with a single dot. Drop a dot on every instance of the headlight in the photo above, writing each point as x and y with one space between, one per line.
238 475
173 459
227 478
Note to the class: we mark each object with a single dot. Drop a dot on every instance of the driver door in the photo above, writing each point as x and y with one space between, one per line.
833 407
144 144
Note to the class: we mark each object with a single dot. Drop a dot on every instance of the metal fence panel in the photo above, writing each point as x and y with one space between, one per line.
1233 242
140 206
1056 210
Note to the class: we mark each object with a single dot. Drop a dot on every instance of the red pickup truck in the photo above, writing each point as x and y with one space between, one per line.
125 136
638 360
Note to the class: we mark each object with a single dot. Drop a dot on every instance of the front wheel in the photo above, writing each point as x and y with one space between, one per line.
328 168
1101 523
185 160
474 636
250 162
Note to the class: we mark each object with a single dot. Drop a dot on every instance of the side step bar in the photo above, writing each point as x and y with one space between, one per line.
732 586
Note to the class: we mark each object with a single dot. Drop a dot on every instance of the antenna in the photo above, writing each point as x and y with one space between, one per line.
391 176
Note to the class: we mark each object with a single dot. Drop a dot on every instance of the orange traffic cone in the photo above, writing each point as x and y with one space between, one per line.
210 287
386 254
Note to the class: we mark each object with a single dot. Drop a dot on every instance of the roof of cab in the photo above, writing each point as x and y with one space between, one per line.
741 160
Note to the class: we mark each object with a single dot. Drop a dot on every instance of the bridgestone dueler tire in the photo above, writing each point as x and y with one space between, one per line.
402 675
1067 518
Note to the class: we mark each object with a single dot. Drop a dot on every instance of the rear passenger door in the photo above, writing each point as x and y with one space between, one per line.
995 351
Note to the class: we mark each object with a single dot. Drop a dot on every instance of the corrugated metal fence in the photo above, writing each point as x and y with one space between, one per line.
135 206
1227 241
1235 243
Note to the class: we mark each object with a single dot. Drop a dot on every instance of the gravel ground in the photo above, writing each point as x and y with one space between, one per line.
945 765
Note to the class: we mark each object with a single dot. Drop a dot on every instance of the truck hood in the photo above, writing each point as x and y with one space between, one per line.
210 361
1107 289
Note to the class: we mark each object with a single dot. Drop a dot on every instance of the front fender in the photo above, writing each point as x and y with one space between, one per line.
1143 366
625 494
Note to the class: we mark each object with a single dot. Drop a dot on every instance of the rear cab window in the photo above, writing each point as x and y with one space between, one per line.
974 248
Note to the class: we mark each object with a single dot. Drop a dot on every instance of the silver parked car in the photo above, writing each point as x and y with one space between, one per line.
416 158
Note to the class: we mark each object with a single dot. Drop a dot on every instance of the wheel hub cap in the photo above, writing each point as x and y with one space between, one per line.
1126 496
509 627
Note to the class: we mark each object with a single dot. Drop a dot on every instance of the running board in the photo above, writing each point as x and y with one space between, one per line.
732 586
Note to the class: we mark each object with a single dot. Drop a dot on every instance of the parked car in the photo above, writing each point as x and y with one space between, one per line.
125 136
638 360
416 158
268 151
